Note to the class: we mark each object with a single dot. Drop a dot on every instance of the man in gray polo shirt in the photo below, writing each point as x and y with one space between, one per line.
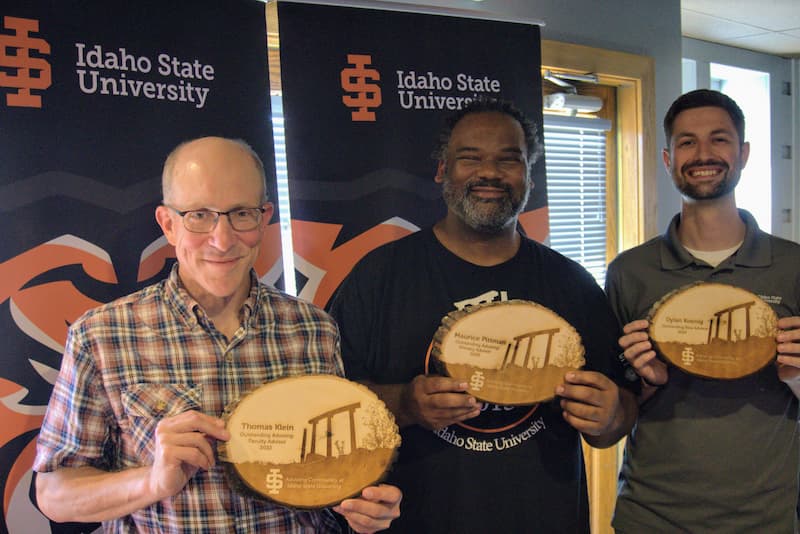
709 455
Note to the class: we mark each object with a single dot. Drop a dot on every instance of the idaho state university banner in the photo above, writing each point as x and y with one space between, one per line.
93 95
365 93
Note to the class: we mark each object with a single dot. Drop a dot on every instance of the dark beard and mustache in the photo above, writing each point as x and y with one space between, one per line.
728 183
485 215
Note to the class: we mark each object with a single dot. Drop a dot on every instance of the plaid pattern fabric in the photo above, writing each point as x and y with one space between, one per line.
154 354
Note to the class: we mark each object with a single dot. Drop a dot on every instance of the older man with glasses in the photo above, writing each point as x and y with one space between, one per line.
132 423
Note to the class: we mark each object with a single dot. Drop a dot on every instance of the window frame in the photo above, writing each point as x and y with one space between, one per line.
577 189
635 213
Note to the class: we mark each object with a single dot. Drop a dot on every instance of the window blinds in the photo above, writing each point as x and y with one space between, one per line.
575 152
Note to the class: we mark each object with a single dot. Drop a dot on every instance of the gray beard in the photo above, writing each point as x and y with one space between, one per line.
483 215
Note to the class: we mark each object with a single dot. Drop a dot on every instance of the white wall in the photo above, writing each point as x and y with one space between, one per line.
645 27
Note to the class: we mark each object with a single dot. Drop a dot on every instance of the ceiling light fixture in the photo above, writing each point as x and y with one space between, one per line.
573 102
568 99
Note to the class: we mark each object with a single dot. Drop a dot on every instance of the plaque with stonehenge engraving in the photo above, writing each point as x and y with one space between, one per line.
509 353
714 330
308 441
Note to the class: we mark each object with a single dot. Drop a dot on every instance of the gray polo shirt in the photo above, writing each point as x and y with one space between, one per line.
710 455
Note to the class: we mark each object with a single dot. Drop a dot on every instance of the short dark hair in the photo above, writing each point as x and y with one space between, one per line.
489 105
703 98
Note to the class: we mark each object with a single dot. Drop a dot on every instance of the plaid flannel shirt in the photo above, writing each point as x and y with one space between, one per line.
155 354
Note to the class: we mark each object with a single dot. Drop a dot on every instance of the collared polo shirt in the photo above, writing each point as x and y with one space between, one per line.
710 455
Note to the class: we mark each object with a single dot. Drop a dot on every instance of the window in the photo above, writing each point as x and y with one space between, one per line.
282 179
575 152
750 89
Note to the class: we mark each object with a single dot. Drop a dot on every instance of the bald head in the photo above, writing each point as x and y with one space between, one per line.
214 176
207 146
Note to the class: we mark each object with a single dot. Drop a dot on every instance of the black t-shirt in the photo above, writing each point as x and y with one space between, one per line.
511 469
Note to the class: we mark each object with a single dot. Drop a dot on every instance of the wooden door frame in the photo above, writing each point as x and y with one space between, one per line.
634 78
635 218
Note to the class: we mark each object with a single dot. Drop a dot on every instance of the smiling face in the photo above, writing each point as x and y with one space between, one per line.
485 179
216 174
705 157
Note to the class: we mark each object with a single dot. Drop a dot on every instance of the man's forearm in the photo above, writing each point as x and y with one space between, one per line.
86 494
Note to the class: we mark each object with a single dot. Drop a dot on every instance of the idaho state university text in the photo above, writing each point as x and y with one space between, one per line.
92 82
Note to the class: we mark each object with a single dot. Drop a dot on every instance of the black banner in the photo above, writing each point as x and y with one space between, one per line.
93 95
364 96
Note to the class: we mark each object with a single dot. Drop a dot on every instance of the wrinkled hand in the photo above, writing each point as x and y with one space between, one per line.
183 444
638 350
374 510
590 401
788 361
436 401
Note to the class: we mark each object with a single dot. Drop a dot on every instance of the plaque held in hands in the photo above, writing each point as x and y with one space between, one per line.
714 330
510 353
308 441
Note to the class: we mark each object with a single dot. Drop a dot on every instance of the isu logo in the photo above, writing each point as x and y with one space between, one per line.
274 481
367 95
21 43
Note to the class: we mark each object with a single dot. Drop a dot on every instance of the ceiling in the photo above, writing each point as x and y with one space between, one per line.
769 26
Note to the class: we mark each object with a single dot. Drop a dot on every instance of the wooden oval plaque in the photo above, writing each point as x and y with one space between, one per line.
308 441
510 353
714 330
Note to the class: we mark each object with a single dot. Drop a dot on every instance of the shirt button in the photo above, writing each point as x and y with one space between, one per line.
161 405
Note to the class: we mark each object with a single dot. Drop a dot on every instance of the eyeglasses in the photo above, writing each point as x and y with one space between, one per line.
203 221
